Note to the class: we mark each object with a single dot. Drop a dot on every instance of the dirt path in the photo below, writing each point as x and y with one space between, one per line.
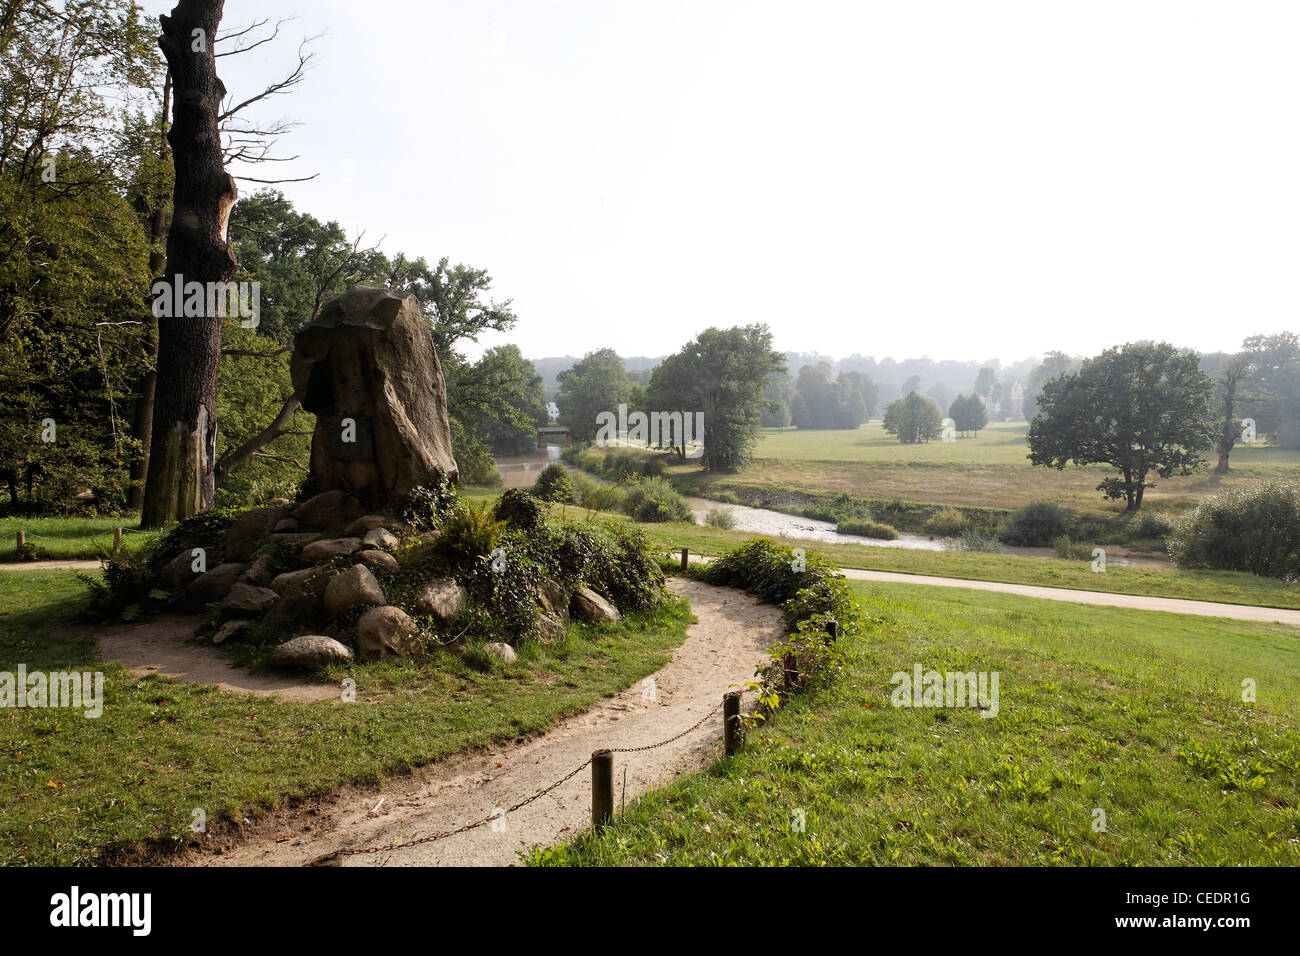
68 564
163 646
721 651
1141 602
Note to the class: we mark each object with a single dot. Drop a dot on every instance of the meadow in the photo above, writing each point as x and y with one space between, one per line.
1121 738
78 791
990 470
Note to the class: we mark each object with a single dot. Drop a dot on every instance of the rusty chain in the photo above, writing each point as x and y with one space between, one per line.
465 828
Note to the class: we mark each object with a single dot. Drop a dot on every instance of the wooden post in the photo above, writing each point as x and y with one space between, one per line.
789 671
731 721
117 538
686 557
22 544
602 789
832 631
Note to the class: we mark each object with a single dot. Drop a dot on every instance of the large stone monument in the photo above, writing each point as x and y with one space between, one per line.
367 368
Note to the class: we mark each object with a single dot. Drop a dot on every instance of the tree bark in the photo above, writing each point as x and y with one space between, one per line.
181 475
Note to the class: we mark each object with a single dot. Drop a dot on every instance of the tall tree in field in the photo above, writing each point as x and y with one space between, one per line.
1139 408
598 383
181 479
1227 383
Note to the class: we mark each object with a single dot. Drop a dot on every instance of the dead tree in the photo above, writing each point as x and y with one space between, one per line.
181 476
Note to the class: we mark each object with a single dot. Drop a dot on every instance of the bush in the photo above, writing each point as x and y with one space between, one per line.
948 523
554 484
1255 529
867 529
1072 550
975 539
426 507
519 510
1036 525
720 518
1153 526
654 499
470 534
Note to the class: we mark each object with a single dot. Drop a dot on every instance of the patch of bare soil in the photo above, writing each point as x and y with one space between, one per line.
162 646
721 652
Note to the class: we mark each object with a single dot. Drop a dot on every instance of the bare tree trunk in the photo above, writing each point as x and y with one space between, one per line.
181 478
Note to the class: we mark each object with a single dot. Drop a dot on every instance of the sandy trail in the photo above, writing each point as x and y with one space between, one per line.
162 646
720 652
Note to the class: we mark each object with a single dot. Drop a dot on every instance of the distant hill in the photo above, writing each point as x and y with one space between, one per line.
551 366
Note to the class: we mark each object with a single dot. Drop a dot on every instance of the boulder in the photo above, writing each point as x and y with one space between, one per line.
381 539
177 572
358 528
554 598
248 530
442 598
212 585
319 551
309 652
278 503
366 367
551 627
502 652
259 572
229 630
287 525
330 510
282 582
296 542
300 597
351 588
377 560
385 632
590 606
248 600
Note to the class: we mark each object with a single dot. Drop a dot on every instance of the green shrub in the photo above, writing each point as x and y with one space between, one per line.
1036 525
720 518
1072 550
867 529
469 534
554 484
1152 526
976 539
519 510
1255 529
948 523
426 507
654 500
726 498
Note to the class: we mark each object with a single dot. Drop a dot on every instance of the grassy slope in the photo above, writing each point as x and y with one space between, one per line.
988 471
1136 713
68 538
71 788
1226 586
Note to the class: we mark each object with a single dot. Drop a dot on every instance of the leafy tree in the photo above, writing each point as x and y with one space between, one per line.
913 419
596 383
1138 408
968 414
1275 377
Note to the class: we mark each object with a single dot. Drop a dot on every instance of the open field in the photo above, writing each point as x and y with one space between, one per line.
1133 713
1230 587
74 789
991 471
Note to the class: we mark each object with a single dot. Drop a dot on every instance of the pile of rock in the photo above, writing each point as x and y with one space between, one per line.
341 557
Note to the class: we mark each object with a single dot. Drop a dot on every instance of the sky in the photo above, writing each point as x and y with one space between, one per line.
954 180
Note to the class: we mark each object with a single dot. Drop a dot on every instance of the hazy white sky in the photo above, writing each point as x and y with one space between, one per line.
954 179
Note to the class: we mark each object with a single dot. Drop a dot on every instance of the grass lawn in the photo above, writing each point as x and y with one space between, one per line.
68 538
73 789
1231 587
1137 714
990 471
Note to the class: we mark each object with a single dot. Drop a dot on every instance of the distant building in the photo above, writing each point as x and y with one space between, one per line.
1016 410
